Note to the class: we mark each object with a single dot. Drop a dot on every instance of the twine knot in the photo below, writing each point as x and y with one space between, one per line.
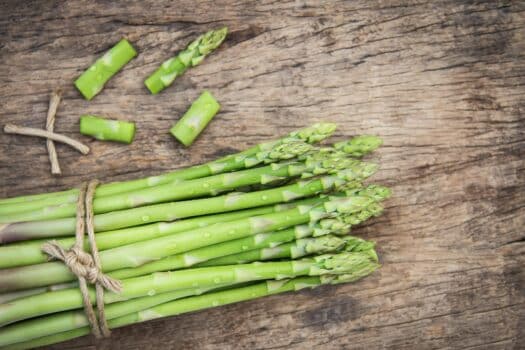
86 266
81 264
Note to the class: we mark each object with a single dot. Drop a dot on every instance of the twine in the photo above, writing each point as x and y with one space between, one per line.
86 266
50 126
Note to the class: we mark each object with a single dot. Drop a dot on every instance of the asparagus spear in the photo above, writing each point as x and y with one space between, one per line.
196 256
201 112
31 251
359 145
317 163
291 250
183 209
136 254
268 152
338 225
190 57
345 264
104 129
93 79
208 300
7 297
270 240
111 311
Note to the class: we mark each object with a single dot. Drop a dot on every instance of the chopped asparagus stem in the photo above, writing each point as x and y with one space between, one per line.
91 82
202 110
106 129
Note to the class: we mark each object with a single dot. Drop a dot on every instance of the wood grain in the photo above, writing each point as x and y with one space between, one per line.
441 81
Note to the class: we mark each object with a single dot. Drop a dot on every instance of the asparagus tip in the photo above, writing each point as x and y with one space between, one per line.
360 145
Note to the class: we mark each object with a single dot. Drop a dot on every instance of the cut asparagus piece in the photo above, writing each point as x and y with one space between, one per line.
190 57
345 264
106 129
201 112
91 82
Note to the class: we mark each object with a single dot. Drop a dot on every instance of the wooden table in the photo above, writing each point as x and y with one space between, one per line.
441 81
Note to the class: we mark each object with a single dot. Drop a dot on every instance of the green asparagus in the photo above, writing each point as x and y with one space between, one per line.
31 253
163 282
183 209
291 250
105 129
172 237
136 254
287 147
91 82
202 110
315 164
190 57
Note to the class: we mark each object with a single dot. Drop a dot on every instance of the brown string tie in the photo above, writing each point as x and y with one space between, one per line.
86 266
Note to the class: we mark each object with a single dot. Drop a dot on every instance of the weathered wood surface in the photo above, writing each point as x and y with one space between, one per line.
441 81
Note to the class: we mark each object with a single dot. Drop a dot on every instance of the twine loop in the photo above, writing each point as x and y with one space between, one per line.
86 266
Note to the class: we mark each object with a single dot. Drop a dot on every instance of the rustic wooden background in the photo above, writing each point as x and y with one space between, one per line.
441 81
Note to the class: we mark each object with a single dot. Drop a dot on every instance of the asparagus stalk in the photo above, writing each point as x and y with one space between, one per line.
338 225
268 152
317 163
136 254
183 209
208 300
346 264
188 259
30 252
104 129
201 112
291 250
93 79
190 57
155 193
111 311
7 297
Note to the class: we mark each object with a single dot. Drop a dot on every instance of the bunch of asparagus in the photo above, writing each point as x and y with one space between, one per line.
271 219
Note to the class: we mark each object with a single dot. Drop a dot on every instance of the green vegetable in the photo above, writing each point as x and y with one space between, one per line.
108 130
202 110
178 242
287 147
234 249
190 57
290 250
345 264
31 252
359 145
178 190
91 82
136 254
183 209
